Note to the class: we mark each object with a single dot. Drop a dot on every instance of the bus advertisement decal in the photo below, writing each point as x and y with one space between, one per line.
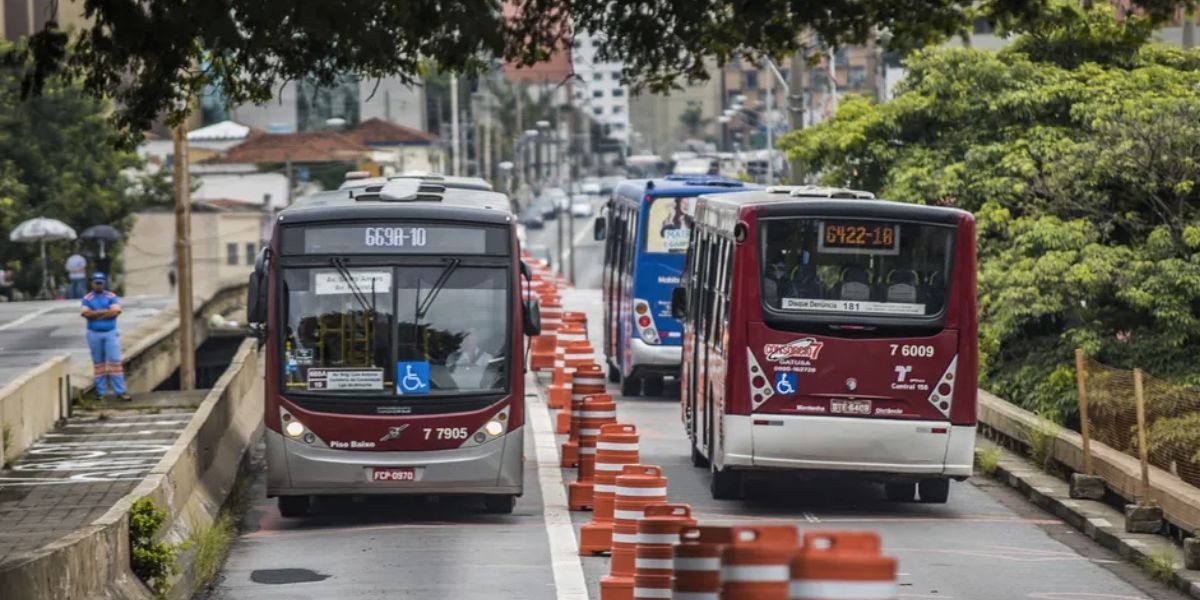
345 379
803 348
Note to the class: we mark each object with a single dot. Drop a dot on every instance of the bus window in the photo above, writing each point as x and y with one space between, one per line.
855 266
338 321
668 224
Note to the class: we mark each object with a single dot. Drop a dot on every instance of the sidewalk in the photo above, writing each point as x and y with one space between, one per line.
76 472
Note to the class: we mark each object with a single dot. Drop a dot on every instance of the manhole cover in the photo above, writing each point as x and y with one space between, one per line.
282 576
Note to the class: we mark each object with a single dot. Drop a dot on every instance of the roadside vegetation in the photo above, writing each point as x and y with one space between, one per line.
1075 147
154 561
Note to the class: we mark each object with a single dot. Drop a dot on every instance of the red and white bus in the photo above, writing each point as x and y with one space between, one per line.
830 333
393 321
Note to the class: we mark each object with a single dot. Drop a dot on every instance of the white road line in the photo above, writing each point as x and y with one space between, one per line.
29 317
564 549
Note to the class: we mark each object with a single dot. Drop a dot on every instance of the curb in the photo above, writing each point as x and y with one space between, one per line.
1097 520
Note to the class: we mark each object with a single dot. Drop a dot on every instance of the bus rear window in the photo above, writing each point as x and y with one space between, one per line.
859 266
669 224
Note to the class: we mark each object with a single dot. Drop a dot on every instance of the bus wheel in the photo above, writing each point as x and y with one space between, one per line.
726 484
499 504
293 507
900 492
631 386
698 460
652 385
935 491
614 376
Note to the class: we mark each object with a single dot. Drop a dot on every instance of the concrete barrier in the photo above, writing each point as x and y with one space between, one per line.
32 405
1121 472
151 350
190 482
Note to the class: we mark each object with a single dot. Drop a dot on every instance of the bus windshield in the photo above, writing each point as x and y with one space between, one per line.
859 266
448 324
669 224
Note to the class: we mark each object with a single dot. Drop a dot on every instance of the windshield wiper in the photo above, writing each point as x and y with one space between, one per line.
354 289
437 287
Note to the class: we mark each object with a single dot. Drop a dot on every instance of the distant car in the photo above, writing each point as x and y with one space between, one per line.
581 205
532 218
559 197
541 253
546 206
591 186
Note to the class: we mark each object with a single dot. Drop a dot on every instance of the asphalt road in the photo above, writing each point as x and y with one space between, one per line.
32 332
986 543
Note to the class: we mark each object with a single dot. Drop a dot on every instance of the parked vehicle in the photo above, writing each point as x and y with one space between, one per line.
532 217
581 205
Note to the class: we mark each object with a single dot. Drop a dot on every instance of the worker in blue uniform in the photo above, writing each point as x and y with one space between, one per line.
101 307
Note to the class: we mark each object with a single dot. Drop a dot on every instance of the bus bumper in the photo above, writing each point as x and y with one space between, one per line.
654 359
295 468
877 446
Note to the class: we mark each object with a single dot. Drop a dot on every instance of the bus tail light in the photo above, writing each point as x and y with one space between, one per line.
942 396
645 324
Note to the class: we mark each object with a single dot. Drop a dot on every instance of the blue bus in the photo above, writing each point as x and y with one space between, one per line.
646 227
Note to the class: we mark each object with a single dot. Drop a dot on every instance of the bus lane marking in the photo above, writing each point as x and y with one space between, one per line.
564 554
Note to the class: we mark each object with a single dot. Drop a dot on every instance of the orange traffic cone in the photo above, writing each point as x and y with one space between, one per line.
616 447
638 486
597 411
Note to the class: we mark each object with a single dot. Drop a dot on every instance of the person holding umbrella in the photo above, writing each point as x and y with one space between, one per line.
101 307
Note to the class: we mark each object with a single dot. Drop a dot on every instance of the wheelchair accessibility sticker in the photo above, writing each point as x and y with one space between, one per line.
412 377
785 383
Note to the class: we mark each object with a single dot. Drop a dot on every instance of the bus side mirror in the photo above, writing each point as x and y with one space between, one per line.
679 303
256 303
525 272
599 229
532 315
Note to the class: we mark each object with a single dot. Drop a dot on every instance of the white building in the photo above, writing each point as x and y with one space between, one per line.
598 88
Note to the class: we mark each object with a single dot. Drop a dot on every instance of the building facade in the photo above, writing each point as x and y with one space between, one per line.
598 88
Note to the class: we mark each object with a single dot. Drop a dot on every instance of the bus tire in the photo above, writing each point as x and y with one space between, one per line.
293 507
631 386
652 385
698 460
614 375
900 491
726 484
934 491
502 504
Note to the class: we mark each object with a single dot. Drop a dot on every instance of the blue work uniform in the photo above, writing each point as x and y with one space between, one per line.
105 344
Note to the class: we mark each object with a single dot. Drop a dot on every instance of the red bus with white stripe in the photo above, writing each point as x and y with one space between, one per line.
828 332
392 321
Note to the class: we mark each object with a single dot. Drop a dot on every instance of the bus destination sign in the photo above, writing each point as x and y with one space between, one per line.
867 237
406 238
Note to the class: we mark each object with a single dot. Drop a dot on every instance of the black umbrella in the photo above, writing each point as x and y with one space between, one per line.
102 234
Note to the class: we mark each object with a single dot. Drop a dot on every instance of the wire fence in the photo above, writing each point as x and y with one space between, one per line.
1171 416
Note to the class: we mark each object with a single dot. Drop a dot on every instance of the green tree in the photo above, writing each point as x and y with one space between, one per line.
58 159
693 121
1078 150
153 58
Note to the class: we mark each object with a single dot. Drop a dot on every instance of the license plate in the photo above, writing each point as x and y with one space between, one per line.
850 407
394 474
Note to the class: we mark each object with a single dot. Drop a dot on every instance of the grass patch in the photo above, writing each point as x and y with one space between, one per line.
987 458
211 543
88 401
1159 563
1040 436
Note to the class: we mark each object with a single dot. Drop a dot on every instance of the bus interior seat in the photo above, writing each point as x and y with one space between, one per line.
855 284
806 284
901 286
934 287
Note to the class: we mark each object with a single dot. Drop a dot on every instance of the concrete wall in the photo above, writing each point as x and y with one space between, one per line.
190 483
32 404
1122 473
150 251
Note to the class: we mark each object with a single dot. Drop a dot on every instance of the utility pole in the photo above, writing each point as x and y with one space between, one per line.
455 147
770 129
796 107
183 259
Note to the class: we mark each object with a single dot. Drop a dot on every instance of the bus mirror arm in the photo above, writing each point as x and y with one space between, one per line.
256 303
532 315
679 303
599 229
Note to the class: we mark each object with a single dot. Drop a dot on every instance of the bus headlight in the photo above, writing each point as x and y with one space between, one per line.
494 428
294 429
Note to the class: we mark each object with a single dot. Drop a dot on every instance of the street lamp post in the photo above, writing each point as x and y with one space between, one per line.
770 118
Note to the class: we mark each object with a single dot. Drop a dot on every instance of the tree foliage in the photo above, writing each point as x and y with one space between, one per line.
1078 149
58 159
151 57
